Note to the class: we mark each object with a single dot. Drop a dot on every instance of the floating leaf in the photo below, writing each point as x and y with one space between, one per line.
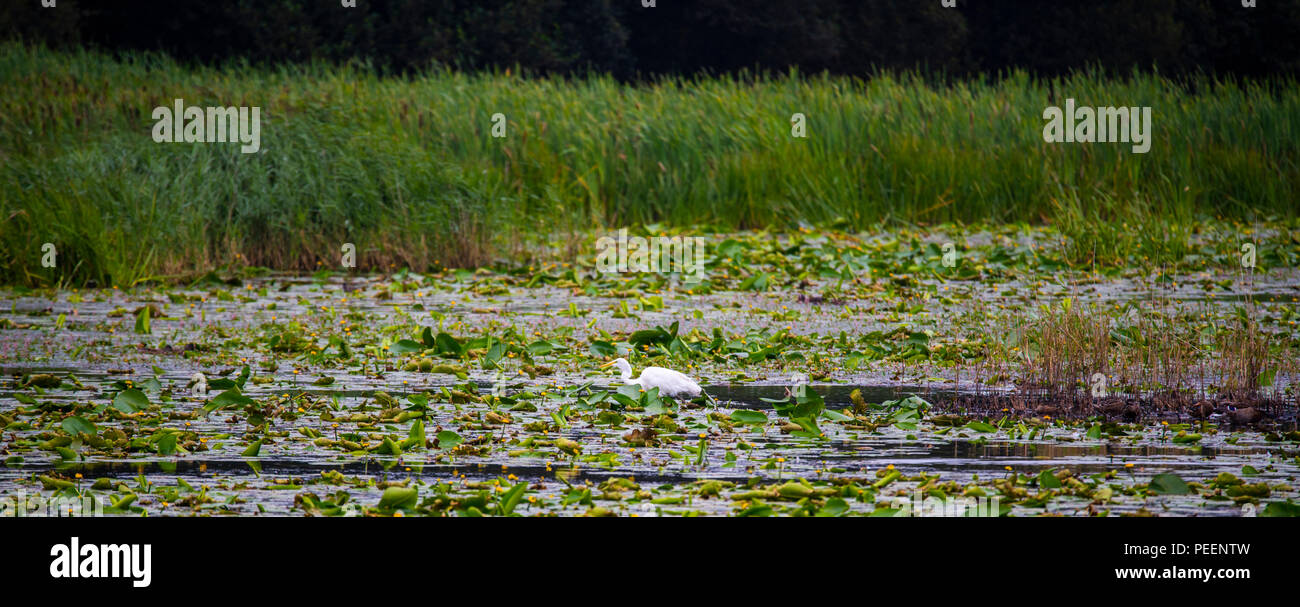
601 349
1286 509
1168 484
130 401
415 438
836 416
749 417
388 447
253 449
78 425
405 346
494 355
608 418
227 398
448 439
834 507
511 498
142 321
167 444
398 497
446 344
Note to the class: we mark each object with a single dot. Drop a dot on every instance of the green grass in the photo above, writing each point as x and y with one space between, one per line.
406 168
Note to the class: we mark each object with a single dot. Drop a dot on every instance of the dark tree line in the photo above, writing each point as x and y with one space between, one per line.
624 38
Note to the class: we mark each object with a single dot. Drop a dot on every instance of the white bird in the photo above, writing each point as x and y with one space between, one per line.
670 383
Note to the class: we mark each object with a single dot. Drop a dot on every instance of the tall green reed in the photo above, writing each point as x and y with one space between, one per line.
406 168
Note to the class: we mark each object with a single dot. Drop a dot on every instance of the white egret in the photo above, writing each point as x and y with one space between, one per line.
670 383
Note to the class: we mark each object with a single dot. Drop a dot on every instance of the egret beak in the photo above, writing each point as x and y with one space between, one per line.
608 364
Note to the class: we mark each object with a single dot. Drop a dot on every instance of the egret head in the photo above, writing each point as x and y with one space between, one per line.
622 365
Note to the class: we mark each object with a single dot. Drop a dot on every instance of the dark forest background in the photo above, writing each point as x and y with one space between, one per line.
623 38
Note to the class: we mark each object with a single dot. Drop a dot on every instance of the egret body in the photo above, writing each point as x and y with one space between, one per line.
670 383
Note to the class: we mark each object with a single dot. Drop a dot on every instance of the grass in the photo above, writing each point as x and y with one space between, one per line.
407 170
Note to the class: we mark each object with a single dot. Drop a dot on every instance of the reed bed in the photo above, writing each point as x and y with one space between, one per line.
406 168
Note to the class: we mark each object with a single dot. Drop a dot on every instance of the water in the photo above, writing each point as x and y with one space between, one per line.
302 460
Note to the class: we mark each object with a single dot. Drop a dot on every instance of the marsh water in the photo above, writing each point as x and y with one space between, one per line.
309 401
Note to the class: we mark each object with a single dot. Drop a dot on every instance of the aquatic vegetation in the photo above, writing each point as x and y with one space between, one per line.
872 349
863 377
